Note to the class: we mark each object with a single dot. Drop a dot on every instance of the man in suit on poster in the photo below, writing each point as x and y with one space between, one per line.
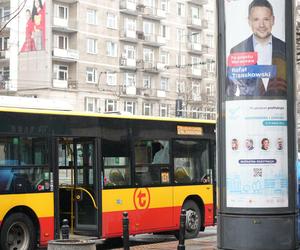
264 74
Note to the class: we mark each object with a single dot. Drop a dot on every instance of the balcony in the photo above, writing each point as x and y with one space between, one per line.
64 25
128 35
153 13
152 67
195 73
128 7
161 66
128 90
197 23
198 2
64 84
127 63
148 93
161 93
65 54
153 40
195 48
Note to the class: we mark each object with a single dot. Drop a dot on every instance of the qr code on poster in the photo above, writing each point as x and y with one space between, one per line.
257 172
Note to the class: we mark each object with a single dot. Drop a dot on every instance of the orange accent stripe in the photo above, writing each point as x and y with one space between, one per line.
148 220
46 230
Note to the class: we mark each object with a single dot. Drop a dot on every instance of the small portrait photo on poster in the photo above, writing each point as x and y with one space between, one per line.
255 48
265 144
249 144
234 144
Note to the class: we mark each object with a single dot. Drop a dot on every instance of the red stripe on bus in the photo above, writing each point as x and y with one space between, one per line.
46 230
149 220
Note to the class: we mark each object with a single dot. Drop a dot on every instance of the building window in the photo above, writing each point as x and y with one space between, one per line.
110 105
196 63
3 43
195 13
149 3
147 82
111 78
129 52
164 5
210 89
148 55
4 14
130 24
180 35
92 46
164 57
148 28
210 41
111 49
61 11
147 109
195 112
210 64
61 41
195 38
129 79
163 110
92 104
210 15
196 91
180 86
180 9
91 16
111 21
164 83
91 75
60 72
4 72
165 31
129 107
180 60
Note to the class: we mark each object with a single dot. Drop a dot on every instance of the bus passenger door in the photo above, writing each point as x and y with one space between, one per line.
85 193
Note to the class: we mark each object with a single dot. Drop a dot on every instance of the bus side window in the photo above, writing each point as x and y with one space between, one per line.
191 162
152 162
116 164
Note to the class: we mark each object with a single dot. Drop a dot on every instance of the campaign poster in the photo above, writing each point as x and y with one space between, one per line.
256 104
256 154
255 49
32 26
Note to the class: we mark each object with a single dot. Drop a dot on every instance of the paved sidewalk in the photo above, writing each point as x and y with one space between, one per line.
206 241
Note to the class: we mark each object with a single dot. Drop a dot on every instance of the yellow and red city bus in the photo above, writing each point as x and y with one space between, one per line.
90 168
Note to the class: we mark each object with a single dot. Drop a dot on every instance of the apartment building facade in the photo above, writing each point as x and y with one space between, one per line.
140 57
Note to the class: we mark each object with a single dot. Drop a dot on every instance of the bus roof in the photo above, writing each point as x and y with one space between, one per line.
101 115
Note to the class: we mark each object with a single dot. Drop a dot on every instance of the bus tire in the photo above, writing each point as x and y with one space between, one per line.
193 219
18 232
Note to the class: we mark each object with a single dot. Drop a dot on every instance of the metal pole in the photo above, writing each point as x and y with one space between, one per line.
65 229
125 231
181 245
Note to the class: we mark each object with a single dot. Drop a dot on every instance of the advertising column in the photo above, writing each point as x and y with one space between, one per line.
256 138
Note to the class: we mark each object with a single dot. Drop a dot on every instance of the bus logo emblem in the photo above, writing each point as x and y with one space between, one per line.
141 198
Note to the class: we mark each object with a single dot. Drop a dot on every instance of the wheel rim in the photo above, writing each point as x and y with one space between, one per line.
18 236
192 220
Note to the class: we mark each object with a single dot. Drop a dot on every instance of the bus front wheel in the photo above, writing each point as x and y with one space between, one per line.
193 219
18 233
